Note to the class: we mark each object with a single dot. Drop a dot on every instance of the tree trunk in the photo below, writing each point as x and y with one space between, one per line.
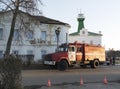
9 42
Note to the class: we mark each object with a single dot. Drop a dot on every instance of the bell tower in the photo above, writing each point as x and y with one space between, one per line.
80 19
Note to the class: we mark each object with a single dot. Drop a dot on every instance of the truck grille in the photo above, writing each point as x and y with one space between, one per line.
48 57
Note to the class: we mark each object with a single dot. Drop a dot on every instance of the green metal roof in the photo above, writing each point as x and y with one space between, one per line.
74 34
89 34
94 34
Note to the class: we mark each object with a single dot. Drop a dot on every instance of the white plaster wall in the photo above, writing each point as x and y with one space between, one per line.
24 45
84 37
87 39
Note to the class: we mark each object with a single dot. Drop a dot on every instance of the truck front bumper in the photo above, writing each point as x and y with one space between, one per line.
49 62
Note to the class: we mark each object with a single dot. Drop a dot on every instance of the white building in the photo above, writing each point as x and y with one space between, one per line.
83 35
34 35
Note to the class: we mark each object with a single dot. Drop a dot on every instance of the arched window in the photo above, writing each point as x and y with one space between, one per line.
83 32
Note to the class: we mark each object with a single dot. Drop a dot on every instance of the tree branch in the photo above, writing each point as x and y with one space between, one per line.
6 4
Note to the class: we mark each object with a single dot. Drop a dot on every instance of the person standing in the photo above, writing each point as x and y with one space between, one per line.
113 61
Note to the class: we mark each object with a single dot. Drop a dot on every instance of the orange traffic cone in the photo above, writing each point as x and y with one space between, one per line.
81 81
49 83
105 80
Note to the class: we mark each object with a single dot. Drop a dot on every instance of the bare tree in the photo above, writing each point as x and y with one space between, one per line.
10 66
29 6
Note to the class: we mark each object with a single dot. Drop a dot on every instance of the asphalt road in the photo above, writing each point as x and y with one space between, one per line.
71 76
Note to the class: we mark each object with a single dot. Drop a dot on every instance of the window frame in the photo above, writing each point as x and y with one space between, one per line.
30 35
16 35
1 34
29 52
83 32
43 35
1 54
43 53
16 52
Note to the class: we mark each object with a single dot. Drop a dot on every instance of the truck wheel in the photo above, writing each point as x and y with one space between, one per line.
94 64
63 65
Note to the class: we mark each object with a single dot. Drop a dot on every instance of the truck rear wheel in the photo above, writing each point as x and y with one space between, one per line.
94 64
63 65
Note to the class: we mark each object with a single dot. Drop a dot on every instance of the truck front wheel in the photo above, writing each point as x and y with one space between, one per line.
94 64
63 65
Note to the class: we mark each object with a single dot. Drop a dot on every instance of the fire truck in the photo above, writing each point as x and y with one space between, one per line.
76 54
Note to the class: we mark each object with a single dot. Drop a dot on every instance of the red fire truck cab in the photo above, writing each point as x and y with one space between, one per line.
76 54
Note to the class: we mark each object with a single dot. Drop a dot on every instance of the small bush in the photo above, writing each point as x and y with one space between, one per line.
10 70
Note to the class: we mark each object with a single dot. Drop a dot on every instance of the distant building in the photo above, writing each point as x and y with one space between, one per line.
34 36
83 35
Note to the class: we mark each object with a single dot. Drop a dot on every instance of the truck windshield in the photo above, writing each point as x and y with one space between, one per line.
71 49
63 49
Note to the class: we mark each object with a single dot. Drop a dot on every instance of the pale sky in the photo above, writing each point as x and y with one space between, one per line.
100 15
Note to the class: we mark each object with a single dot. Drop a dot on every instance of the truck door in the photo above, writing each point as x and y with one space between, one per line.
79 54
72 53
